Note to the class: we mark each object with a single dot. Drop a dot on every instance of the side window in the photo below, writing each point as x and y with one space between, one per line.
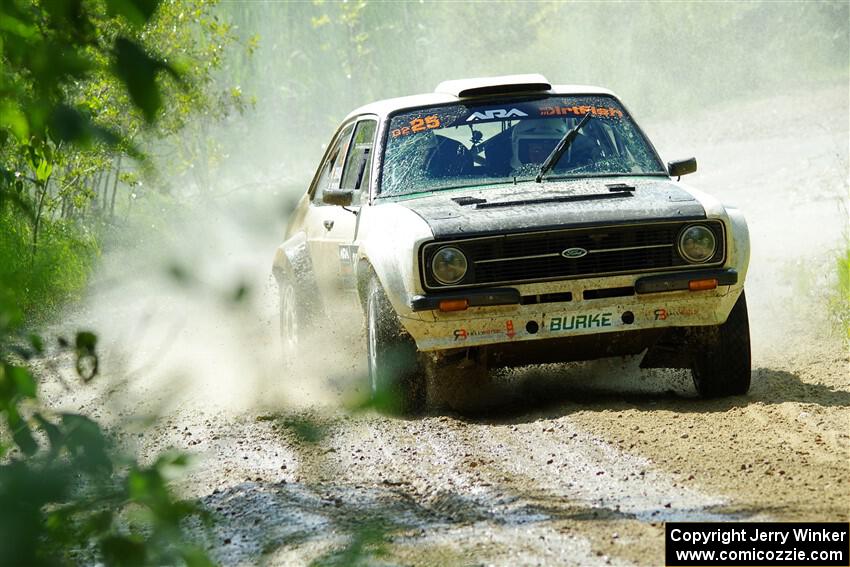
332 166
358 164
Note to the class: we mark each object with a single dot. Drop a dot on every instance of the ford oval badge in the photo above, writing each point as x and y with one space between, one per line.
574 253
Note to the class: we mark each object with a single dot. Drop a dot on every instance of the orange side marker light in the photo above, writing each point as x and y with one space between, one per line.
702 285
454 304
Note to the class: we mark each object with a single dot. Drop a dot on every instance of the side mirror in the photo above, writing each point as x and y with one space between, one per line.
342 198
682 167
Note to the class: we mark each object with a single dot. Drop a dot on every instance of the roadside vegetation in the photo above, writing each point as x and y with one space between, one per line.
840 304
84 86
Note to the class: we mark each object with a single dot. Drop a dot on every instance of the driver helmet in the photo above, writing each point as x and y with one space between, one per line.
533 140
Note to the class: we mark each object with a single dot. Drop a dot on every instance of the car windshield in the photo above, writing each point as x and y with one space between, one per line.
462 145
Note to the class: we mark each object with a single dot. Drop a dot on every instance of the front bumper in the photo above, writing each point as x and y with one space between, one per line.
508 315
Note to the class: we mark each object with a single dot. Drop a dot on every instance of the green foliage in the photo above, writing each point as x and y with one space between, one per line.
367 543
66 492
46 48
65 489
305 429
38 286
82 82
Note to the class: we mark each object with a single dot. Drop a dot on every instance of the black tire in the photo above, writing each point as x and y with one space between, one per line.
294 319
722 364
397 379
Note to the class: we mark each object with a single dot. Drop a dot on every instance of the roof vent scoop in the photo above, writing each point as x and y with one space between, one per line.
484 86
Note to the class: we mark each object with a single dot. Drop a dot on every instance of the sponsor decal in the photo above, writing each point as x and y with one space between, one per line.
509 329
347 257
687 311
463 334
662 314
496 113
584 321
574 253
417 125
597 111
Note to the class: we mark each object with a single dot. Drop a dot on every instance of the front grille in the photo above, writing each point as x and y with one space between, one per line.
530 257
546 298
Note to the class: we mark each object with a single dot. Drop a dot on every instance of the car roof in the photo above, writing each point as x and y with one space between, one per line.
449 92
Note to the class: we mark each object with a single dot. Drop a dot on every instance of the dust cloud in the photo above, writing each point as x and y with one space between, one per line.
757 92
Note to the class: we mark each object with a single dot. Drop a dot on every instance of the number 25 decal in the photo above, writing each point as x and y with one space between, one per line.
418 125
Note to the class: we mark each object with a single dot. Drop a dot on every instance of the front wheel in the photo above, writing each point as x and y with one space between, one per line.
396 376
722 364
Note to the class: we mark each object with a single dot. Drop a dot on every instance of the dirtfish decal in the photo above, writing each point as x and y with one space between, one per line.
496 113
662 314
573 322
463 334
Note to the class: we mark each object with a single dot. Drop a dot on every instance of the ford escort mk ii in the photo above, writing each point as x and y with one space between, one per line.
506 221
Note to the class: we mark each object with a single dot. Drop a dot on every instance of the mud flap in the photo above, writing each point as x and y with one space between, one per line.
672 350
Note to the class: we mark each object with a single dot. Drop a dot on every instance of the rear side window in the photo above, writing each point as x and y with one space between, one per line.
358 164
331 168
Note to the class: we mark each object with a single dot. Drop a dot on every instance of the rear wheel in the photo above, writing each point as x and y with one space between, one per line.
722 364
293 320
396 376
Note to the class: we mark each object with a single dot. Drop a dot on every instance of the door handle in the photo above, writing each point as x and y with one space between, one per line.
329 224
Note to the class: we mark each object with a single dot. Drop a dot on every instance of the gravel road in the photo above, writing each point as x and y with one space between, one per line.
577 465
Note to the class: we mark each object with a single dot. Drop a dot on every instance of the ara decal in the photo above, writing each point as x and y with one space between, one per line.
495 114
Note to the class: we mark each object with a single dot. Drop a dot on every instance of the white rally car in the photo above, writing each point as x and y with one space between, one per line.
506 221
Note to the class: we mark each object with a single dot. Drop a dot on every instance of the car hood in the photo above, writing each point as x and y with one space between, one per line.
500 209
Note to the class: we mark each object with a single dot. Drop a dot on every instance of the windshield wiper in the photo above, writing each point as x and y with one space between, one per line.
552 160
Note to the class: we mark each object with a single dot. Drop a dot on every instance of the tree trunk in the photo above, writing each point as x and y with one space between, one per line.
106 172
115 188
41 193
94 203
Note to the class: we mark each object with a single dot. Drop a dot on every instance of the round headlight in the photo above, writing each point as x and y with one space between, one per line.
448 265
697 244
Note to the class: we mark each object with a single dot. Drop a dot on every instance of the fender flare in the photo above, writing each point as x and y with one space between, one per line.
387 270
292 258
740 254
